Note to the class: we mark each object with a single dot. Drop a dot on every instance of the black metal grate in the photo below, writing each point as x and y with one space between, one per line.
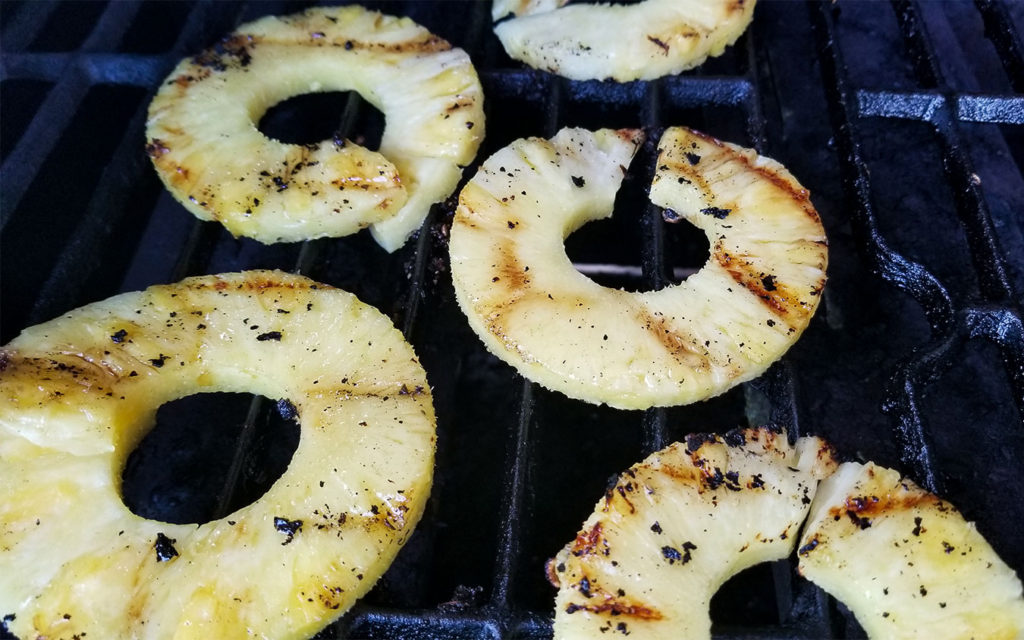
904 120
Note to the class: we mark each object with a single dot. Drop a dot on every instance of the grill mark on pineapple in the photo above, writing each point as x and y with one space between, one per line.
57 374
590 542
678 35
618 607
424 43
255 283
510 285
684 474
859 508
799 195
679 346
777 296
385 393
512 275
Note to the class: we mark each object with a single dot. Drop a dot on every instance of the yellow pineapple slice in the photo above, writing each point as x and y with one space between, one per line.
641 41
676 526
905 561
723 325
202 136
78 393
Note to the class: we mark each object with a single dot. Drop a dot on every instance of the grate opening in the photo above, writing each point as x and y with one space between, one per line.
155 27
21 99
68 26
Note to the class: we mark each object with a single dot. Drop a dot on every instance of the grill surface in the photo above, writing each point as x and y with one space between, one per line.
903 119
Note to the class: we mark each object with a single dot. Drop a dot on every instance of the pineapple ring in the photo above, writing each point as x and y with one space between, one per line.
722 326
939 578
641 41
679 524
202 137
77 393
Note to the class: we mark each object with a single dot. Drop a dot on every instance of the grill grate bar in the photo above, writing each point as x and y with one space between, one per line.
244 442
982 236
919 46
909 276
924 106
511 530
111 26
778 383
514 496
1006 40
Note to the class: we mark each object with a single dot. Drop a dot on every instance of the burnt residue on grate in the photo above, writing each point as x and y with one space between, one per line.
904 119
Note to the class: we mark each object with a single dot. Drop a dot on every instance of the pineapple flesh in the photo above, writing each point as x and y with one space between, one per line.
502 8
722 326
676 526
905 562
202 134
641 41
79 392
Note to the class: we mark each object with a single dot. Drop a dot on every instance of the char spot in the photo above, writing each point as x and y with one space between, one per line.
287 527
164 548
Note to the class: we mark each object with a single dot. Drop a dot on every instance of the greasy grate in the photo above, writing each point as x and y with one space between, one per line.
903 119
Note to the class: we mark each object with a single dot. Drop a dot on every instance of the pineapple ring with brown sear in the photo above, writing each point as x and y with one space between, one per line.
641 41
202 135
721 326
906 562
76 395
679 524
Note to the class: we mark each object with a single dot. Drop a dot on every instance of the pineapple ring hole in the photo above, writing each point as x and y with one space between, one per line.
610 251
309 118
208 455
747 598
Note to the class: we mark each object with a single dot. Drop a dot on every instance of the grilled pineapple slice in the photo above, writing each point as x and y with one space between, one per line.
906 562
676 526
721 326
76 395
641 41
203 140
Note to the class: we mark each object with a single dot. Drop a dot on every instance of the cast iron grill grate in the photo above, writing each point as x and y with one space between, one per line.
904 119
